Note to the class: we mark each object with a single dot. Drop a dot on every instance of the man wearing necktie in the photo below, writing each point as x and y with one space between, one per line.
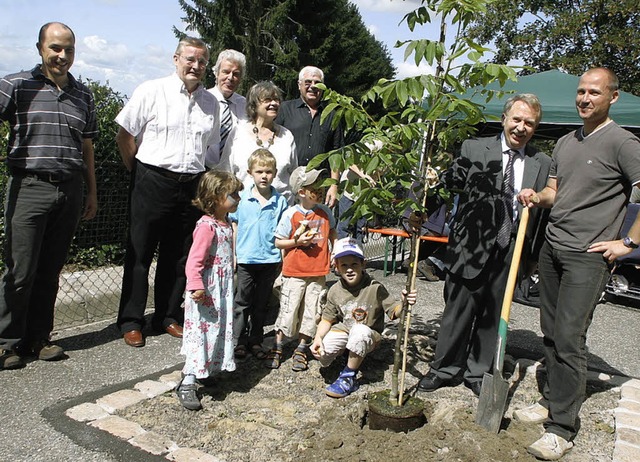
229 72
487 176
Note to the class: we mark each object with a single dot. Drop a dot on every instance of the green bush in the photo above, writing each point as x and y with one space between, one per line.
101 241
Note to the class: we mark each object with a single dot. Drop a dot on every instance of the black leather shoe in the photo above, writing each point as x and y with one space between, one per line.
431 382
475 387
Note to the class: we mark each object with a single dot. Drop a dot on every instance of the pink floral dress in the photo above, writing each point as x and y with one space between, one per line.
208 326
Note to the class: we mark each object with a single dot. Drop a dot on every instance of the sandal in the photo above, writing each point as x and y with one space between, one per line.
240 352
258 352
300 362
273 358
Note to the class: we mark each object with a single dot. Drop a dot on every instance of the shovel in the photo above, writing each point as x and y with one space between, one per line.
495 388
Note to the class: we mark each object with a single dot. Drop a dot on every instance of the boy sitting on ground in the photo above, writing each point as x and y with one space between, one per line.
353 317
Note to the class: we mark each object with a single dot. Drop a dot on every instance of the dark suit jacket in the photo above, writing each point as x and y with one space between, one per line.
476 175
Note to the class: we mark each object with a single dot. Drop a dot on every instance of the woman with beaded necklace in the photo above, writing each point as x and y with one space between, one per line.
260 131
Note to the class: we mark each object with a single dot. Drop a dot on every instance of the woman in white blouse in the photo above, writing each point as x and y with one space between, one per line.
260 131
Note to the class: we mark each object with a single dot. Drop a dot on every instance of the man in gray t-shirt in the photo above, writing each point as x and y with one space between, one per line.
591 176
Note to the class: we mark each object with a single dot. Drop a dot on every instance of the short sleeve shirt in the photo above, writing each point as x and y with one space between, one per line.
311 261
48 126
256 235
365 303
174 128
594 177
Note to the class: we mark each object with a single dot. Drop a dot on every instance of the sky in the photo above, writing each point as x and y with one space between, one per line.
125 42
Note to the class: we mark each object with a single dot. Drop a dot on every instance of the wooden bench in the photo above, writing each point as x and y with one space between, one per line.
394 238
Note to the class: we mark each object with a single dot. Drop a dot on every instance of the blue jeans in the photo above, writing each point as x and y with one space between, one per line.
40 220
570 286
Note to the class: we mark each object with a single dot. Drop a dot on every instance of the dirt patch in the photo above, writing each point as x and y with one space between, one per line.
256 414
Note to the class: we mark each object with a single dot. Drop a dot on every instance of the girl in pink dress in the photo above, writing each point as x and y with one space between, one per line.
208 316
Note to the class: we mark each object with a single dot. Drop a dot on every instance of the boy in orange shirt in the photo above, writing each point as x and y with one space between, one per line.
304 233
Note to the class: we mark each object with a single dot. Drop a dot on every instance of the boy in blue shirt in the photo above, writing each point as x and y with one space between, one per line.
257 258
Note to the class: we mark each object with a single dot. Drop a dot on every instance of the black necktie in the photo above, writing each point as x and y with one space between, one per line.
226 123
504 232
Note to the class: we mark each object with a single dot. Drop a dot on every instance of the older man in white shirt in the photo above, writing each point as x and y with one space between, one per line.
165 131
229 72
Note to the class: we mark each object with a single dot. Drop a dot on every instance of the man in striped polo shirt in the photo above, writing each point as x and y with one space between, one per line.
52 124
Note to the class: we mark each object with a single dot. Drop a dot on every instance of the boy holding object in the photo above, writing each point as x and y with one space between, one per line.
353 317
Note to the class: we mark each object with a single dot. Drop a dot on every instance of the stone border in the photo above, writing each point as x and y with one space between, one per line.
99 415
627 418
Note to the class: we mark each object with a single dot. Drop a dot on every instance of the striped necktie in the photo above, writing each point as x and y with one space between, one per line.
226 123
504 232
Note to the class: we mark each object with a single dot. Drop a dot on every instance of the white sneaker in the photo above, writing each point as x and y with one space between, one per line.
536 413
550 447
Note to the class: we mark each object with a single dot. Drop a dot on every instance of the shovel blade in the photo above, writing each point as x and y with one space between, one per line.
492 402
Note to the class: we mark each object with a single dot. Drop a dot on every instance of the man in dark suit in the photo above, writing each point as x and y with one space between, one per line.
481 242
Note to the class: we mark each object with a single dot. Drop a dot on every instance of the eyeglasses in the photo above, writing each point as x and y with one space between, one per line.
191 60
309 82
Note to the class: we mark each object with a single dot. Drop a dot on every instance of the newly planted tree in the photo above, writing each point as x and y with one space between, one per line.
408 128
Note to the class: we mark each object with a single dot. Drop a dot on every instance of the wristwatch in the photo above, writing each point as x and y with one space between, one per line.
628 242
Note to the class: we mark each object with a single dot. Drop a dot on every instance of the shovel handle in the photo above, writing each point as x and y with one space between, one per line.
508 293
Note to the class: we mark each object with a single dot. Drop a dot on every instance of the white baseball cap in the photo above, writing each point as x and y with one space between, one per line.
347 246
300 178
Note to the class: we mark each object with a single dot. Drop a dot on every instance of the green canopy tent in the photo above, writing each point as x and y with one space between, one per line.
556 91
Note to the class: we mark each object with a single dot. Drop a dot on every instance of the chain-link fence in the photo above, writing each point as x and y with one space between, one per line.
91 281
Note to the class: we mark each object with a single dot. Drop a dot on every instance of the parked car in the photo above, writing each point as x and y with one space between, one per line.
625 274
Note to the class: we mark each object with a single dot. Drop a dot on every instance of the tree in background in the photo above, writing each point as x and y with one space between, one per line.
572 35
280 37
102 241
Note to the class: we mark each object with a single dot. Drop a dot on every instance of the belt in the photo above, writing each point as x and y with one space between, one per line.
179 177
49 177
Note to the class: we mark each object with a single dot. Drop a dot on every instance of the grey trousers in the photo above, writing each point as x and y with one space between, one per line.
570 286
469 327
40 220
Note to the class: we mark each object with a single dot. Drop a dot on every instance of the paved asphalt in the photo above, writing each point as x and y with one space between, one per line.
34 427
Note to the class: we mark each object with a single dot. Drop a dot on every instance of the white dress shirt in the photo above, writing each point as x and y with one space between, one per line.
173 128
518 170
238 107
241 144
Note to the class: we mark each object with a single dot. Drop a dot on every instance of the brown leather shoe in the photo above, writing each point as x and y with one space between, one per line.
174 330
134 338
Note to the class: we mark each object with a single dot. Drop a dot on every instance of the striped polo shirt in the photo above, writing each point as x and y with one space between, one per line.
47 125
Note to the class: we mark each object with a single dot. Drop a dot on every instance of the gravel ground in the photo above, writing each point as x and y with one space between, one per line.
258 414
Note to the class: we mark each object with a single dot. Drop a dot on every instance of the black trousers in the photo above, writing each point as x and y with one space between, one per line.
255 283
162 218
469 327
